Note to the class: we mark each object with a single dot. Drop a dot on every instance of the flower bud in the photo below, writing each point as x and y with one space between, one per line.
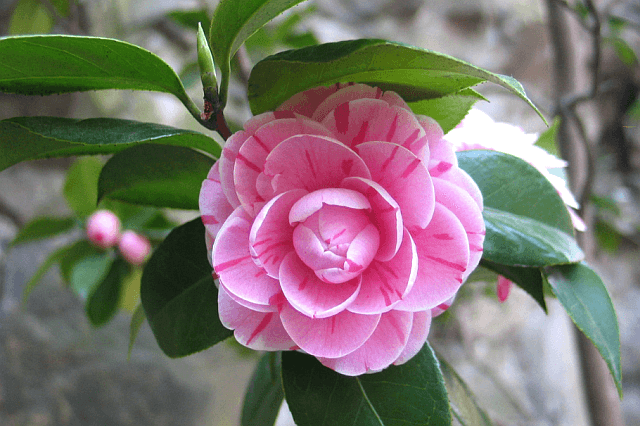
206 64
134 247
103 229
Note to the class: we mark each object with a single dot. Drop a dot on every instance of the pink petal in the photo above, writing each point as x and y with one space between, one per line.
380 350
305 103
311 296
443 255
443 307
466 210
271 235
312 162
214 207
330 337
252 306
385 215
460 178
227 163
405 177
365 120
417 338
311 203
233 263
262 331
250 160
442 156
341 225
384 284
312 251
503 288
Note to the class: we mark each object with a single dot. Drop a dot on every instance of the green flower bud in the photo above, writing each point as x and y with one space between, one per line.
206 65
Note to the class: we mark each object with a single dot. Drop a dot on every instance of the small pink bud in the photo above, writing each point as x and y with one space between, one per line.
134 248
103 229
503 288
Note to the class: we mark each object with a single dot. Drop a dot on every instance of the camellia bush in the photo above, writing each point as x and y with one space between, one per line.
343 217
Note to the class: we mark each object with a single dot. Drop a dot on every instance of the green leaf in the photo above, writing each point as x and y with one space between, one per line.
233 22
30 17
520 241
413 393
415 74
512 185
448 110
51 260
43 227
89 271
547 140
102 303
73 255
464 406
137 319
80 188
585 297
190 18
44 65
162 176
529 279
30 138
624 52
264 394
179 296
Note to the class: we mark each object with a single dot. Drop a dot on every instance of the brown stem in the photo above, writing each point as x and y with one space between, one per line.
223 128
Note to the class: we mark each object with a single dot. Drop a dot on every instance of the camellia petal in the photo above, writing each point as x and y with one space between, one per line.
233 263
214 207
417 338
405 177
310 295
313 202
330 337
262 331
381 349
443 255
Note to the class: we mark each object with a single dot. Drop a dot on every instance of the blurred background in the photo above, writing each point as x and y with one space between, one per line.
523 365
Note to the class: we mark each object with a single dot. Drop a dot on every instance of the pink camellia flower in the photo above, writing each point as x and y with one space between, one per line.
134 247
103 229
479 131
337 224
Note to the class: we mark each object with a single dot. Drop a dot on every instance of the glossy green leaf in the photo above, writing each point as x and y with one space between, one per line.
410 394
89 271
520 241
264 394
233 22
464 406
137 319
102 303
529 279
81 186
512 185
586 300
48 64
179 296
43 227
448 110
31 138
161 176
415 74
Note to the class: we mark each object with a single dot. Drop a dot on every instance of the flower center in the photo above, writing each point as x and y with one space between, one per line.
337 241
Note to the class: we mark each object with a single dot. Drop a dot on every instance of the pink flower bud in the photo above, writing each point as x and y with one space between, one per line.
503 288
134 248
103 229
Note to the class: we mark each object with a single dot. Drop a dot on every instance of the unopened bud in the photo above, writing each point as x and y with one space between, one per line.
103 229
134 247
206 65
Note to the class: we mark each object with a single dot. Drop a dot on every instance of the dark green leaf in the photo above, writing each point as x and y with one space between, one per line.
81 187
464 406
448 110
413 393
520 241
89 271
162 176
44 65
137 319
415 74
43 227
179 296
512 185
30 138
529 279
233 22
264 395
102 303
190 18
585 297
